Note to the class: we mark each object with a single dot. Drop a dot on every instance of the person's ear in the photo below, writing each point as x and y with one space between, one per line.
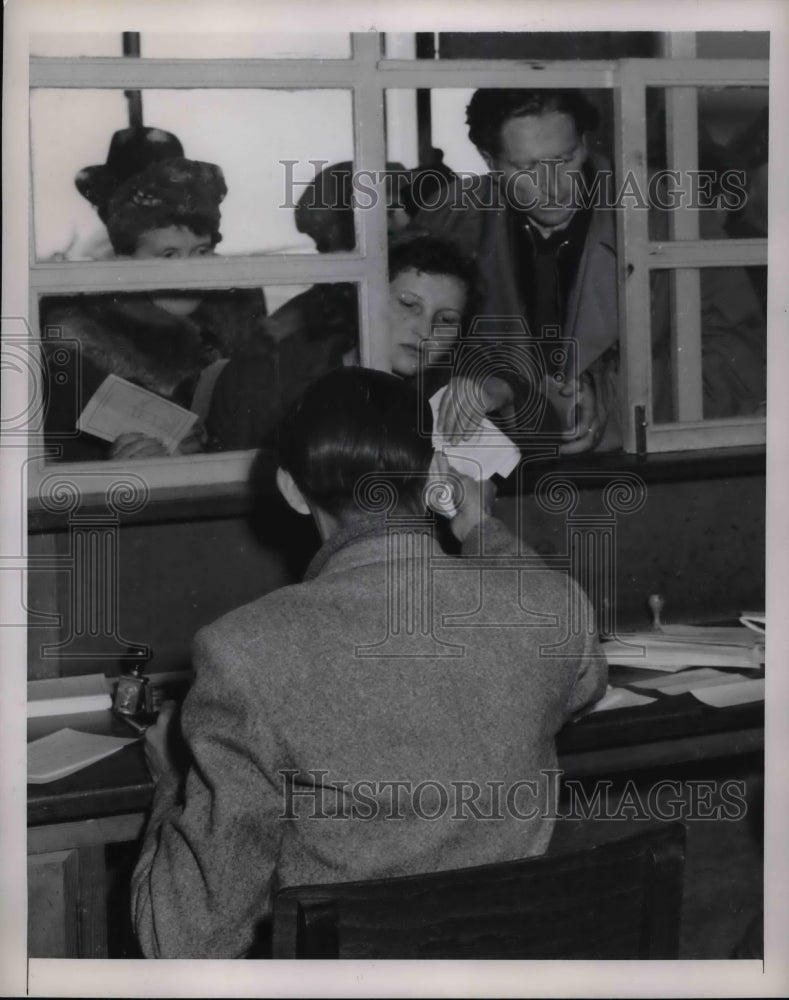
490 160
290 491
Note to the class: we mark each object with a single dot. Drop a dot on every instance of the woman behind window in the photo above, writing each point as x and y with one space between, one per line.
430 286
165 342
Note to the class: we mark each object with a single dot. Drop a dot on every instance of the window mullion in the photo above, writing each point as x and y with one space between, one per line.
128 74
465 73
632 239
206 272
370 150
682 147
709 253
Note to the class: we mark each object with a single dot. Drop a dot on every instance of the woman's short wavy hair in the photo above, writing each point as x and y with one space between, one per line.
349 424
416 250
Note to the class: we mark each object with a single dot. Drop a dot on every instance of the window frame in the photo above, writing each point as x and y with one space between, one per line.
368 76
682 255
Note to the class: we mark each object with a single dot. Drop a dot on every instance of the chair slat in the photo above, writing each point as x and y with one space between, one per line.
617 900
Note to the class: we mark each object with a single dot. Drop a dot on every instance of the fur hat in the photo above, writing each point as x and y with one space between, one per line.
173 192
131 151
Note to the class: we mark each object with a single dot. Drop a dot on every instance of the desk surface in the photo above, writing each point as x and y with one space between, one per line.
670 730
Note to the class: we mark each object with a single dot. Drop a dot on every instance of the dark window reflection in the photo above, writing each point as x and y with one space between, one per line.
171 343
733 343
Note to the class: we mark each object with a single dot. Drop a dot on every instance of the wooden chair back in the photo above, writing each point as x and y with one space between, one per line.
619 900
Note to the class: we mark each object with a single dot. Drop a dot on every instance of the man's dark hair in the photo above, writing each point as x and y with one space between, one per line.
352 422
489 109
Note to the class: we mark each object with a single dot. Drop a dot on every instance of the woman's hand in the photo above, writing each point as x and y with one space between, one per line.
472 499
466 402
135 445
194 441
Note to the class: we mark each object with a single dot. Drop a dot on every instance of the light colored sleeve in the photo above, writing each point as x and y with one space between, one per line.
591 677
203 879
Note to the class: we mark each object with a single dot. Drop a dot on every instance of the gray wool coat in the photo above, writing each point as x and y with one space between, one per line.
478 225
384 717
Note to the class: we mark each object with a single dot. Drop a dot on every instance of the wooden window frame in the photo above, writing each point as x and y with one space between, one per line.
683 255
368 76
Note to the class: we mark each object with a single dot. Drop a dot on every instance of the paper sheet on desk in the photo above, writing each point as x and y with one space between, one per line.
688 680
616 698
756 621
67 695
120 407
708 635
723 696
67 751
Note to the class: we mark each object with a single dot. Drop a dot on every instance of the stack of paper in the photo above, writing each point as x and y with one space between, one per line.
688 680
67 695
678 647
719 688
754 620
66 751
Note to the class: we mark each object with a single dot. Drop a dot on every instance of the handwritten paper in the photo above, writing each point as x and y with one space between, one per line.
66 751
120 407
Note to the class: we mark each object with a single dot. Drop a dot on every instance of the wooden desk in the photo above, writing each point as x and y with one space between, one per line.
72 820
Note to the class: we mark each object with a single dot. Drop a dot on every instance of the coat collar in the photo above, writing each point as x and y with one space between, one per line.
363 540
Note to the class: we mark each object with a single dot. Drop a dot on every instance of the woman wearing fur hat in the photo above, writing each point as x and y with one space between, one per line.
167 343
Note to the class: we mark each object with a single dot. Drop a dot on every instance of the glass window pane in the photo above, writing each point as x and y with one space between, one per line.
733 342
268 144
450 133
164 45
193 371
97 44
733 44
400 45
542 45
728 182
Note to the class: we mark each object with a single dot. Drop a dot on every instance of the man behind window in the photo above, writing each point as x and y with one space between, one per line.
345 728
545 241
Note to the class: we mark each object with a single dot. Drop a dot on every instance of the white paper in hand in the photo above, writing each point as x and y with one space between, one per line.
487 453
120 407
